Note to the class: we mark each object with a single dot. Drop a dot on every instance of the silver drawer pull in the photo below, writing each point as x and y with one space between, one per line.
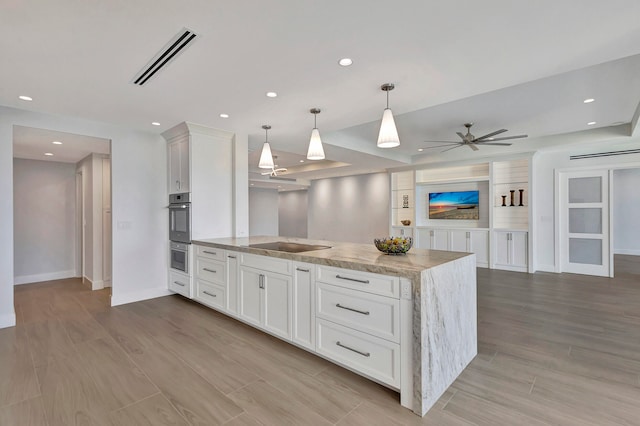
209 294
210 252
351 309
231 257
179 283
367 354
302 270
210 270
352 279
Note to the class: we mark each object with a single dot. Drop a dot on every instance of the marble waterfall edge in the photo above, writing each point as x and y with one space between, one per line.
446 322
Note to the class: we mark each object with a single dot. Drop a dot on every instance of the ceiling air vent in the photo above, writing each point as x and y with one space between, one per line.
605 154
168 53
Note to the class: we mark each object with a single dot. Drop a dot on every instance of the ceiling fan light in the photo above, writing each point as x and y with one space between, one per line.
388 136
266 159
315 152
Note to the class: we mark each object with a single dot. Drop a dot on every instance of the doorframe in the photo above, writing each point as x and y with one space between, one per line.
80 257
610 168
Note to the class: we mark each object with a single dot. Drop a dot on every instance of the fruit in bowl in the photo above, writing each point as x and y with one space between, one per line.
406 222
393 245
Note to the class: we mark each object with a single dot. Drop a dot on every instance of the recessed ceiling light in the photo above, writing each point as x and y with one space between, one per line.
48 154
271 94
155 123
224 115
56 143
25 98
588 101
345 62
420 149
591 123
302 161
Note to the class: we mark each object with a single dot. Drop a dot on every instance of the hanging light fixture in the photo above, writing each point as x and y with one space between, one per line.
315 152
266 159
388 136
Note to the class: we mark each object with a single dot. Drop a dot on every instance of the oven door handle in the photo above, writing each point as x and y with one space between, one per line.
182 206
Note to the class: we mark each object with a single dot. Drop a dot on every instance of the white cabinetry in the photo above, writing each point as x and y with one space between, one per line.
178 156
303 309
266 297
464 240
210 278
511 250
232 282
180 283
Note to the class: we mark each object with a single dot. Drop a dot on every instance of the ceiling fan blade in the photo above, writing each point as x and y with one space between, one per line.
453 147
488 135
441 141
473 146
442 146
505 138
491 143
460 134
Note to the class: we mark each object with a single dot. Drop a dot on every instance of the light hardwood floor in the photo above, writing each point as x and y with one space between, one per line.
553 349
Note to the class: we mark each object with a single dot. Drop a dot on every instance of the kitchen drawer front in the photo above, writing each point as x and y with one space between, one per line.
369 355
369 313
210 253
211 270
266 263
210 294
180 283
371 283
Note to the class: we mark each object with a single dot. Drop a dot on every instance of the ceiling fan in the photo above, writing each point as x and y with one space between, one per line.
473 142
275 169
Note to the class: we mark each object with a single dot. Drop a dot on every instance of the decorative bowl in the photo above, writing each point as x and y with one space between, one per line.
405 222
393 245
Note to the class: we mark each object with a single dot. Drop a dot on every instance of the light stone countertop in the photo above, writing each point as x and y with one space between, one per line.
359 257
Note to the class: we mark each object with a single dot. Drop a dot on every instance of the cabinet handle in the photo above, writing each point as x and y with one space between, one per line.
260 281
209 252
179 283
352 309
210 270
231 257
367 354
431 233
209 294
302 270
352 279
468 234
178 185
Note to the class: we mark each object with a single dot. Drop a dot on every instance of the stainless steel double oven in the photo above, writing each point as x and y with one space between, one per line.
180 230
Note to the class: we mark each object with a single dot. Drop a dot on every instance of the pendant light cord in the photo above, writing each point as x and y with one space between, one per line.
315 122
387 99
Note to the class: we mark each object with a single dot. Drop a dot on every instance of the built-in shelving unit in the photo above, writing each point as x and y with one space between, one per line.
508 176
403 203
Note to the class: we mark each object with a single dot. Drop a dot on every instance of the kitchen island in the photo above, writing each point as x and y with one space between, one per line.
415 330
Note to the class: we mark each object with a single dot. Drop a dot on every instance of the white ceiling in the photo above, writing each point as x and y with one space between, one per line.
523 66
33 143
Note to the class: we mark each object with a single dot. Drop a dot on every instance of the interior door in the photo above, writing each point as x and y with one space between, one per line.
584 222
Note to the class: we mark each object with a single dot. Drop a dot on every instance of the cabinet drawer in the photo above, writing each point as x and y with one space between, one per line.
369 313
266 263
210 253
369 355
211 270
210 294
180 283
365 281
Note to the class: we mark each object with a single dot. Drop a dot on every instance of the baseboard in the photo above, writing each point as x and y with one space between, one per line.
546 268
627 251
8 320
137 296
97 285
28 279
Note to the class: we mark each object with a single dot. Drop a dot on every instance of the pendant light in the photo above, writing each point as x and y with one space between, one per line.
315 152
266 160
388 136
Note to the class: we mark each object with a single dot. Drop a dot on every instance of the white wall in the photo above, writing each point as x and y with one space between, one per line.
351 209
139 199
292 213
626 205
44 212
263 211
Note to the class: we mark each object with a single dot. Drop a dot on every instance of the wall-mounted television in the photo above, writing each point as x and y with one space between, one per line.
460 205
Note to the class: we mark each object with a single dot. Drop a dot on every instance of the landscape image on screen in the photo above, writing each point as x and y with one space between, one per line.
461 205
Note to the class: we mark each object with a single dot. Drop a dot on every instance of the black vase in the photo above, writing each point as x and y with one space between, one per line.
504 201
513 192
521 196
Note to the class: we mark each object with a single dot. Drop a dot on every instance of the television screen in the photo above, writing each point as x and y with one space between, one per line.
461 205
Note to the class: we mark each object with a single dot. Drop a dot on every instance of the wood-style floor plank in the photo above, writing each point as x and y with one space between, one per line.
18 380
153 411
26 413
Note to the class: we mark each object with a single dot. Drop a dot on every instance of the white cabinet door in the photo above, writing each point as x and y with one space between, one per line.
459 240
184 166
232 283
178 153
303 309
250 295
277 300
479 244
423 238
502 248
440 239
519 249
